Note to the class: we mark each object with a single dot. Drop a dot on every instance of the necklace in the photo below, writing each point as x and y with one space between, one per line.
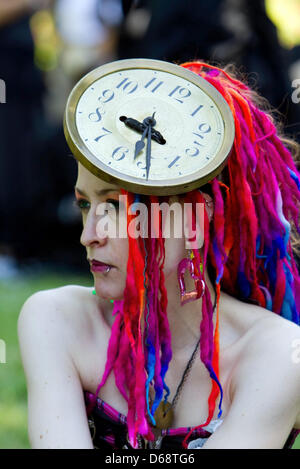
164 414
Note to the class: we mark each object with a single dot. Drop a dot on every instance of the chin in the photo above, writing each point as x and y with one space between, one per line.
109 290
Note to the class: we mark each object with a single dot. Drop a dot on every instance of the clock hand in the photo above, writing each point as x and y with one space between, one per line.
133 124
141 127
148 151
140 143
149 121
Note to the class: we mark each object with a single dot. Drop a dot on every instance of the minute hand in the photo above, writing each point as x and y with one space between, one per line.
148 151
150 122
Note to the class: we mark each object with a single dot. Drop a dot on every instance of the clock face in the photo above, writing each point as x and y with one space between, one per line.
189 119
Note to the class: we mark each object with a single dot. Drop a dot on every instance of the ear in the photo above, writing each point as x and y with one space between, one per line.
209 205
196 242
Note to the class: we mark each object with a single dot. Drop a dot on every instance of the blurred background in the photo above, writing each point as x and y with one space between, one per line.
45 47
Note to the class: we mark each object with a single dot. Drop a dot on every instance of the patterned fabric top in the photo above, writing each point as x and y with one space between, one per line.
108 429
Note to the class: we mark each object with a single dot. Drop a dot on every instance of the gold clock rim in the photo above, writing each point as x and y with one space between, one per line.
139 185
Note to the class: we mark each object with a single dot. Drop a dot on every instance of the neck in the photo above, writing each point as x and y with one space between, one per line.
184 320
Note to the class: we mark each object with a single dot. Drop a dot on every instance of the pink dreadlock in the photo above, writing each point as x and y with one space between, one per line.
248 246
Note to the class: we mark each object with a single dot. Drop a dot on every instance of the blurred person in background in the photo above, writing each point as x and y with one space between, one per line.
88 33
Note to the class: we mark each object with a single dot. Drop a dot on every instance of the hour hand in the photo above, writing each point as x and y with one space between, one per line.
140 143
140 127
133 124
138 148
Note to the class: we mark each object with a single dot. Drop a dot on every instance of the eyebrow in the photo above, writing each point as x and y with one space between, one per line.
99 193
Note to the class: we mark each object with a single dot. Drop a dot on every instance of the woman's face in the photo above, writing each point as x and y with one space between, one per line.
112 250
90 191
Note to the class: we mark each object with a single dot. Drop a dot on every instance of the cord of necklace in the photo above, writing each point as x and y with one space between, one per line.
187 370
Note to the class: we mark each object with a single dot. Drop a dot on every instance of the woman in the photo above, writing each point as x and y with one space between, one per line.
151 337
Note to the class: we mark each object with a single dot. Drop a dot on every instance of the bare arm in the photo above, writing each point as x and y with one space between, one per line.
56 410
266 394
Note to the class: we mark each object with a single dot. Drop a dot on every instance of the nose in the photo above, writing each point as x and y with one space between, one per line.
91 234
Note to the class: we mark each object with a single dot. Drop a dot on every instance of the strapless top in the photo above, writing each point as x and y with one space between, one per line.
108 429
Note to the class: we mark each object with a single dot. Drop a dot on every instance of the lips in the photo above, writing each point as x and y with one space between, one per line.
98 266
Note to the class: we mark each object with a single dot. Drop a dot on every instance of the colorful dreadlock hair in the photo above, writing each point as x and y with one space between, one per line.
252 258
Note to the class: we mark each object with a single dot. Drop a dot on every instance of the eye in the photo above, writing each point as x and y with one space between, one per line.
82 204
114 202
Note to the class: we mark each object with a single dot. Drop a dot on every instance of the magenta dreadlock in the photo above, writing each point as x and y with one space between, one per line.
252 258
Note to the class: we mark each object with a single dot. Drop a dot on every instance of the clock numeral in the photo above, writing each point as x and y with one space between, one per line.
196 110
128 86
174 161
139 165
107 95
155 87
107 132
180 92
203 129
119 153
97 115
193 151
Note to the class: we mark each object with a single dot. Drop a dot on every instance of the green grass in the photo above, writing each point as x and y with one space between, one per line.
13 397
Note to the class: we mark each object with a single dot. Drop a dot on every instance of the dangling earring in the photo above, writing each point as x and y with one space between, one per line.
188 264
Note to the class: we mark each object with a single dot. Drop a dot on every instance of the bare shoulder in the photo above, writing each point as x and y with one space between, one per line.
268 355
253 325
62 297
69 318
60 311
271 335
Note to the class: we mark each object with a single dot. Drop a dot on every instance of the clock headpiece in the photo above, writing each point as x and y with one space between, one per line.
248 243
150 126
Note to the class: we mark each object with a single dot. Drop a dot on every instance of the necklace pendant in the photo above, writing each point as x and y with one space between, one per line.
163 415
